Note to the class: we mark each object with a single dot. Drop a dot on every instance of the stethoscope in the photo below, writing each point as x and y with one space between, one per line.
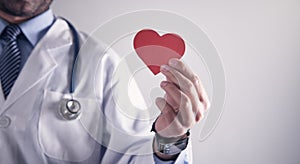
70 108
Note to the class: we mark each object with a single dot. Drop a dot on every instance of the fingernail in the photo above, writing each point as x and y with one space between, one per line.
163 83
165 96
164 68
173 62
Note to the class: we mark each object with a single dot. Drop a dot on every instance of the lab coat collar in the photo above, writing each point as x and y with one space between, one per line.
41 62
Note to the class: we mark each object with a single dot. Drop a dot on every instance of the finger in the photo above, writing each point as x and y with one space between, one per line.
173 95
184 84
179 79
163 106
167 121
198 117
172 103
187 72
203 96
188 88
186 115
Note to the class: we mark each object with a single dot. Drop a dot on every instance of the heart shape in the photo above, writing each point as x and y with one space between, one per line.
156 50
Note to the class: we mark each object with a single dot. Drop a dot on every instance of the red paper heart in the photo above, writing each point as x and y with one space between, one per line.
156 50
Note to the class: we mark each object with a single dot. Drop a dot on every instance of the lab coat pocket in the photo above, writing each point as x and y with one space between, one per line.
62 139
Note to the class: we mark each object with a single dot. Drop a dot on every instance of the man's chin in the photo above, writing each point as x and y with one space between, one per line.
23 11
24 8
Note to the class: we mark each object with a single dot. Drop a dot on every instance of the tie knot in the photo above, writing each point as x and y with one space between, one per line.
11 32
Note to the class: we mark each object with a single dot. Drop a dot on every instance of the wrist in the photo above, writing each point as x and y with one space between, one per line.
162 156
168 148
171 145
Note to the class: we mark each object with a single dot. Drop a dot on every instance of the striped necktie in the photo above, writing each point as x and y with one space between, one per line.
10 60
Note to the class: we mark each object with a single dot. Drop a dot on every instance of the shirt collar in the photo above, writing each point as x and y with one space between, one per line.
34 29
3 24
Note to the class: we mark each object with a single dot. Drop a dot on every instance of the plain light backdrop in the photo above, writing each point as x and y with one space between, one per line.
259 43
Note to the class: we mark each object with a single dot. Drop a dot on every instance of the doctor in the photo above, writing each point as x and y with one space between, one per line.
36 56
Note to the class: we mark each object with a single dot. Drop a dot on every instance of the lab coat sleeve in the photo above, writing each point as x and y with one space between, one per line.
125 132
181 159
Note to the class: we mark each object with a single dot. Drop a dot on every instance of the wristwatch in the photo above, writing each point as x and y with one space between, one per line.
171 145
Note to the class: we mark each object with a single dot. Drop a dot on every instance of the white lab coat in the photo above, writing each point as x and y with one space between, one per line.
31 129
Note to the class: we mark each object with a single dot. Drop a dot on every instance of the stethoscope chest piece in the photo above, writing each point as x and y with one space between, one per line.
70 109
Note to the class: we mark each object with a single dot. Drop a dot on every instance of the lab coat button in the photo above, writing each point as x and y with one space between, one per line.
4 121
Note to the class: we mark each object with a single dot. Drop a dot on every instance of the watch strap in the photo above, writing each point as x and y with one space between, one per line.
171 148
170 145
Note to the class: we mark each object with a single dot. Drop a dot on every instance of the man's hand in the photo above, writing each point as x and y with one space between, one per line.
185 100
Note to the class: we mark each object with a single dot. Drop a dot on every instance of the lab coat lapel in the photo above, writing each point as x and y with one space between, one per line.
41 61
2 100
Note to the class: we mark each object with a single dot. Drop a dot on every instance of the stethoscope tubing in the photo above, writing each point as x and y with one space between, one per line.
64 110
76 43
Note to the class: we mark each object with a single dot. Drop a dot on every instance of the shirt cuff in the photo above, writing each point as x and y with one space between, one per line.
181 159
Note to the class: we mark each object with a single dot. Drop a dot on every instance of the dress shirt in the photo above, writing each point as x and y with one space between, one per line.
32 31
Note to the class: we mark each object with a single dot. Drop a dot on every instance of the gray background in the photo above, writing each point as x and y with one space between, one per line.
258 42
